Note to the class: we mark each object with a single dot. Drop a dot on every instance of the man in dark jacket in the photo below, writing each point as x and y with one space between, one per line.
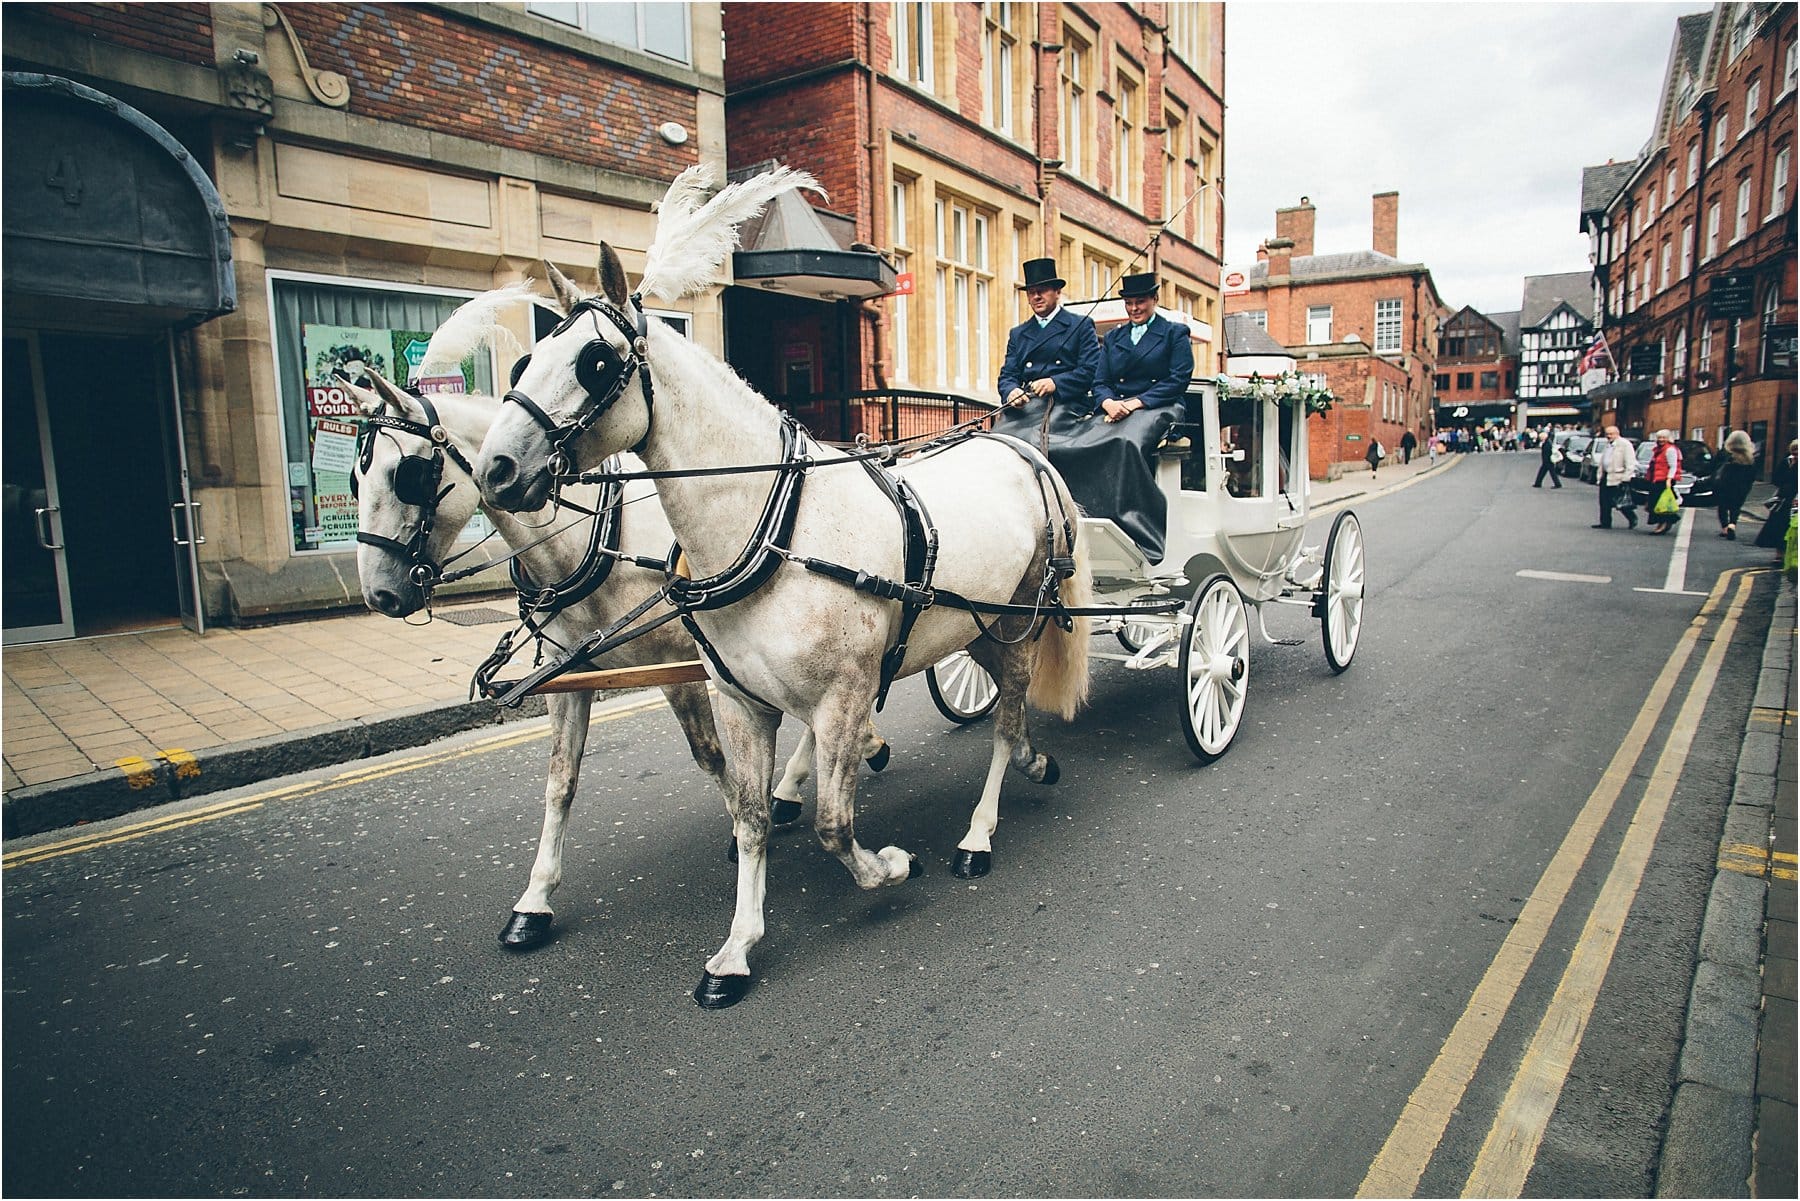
1408 444
1546 466
1053 353
1145 363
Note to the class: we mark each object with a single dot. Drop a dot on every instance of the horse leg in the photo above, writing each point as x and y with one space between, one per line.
529 925
1010 668
785 805
842 737
750 733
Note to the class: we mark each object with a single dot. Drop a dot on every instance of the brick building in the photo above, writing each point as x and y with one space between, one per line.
1477 358
1364 323
1694 240
962 139
208 204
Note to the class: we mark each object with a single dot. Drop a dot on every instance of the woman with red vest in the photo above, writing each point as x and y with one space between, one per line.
1664 470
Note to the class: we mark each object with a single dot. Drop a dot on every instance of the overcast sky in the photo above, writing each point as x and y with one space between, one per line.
1481 115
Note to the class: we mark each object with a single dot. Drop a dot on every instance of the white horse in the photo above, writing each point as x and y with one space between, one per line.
401 496
799 643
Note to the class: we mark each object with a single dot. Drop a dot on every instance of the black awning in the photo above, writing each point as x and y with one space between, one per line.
1625 389
1451 414
114 216
788 248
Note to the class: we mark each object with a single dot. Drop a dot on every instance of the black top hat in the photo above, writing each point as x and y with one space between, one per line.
1041 273
1138 285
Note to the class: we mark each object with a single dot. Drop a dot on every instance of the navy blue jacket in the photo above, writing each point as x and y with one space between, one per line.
1066 351
1156 371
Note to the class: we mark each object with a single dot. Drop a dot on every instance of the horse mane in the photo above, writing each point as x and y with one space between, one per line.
475 324
693 237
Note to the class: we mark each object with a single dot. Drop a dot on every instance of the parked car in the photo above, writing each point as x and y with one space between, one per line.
1590 462
1558 445
1695 485
1574 450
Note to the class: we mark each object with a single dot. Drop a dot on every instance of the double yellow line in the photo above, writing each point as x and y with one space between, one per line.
182 818
1510 1148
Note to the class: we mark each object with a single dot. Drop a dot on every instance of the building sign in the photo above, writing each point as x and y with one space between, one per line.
1732 295
1778 349
1235 282
903 284
1646 359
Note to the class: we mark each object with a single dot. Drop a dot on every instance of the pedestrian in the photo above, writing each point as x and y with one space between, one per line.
1731 483
1781 511
1375 455
1664 471
1547 464
1617 464
1431 448
1407 443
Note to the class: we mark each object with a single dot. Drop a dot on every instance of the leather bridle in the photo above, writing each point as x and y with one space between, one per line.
416 480
602 372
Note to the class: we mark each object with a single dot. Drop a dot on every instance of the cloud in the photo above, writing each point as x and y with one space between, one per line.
1481 116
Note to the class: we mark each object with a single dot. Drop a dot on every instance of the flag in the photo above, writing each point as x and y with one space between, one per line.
1597 356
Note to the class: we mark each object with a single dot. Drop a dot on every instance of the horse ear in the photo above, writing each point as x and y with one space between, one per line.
612 276
389 394
369 400
566 291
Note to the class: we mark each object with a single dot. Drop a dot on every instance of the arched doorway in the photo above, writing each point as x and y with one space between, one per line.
115 242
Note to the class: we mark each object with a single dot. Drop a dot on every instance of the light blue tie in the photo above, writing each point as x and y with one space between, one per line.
1137 331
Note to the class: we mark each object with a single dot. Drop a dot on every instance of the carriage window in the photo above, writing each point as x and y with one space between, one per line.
1241 429
321 326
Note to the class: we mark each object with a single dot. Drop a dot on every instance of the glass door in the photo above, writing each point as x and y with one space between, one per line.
34 584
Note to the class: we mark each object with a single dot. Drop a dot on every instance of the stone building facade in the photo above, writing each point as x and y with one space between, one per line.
1363 323
961 140
1694 240
355 171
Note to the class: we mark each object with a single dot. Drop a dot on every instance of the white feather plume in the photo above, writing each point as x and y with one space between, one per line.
691 242
689 191
476 324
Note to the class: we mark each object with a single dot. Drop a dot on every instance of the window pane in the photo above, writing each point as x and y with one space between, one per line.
568 14
666 29
616 23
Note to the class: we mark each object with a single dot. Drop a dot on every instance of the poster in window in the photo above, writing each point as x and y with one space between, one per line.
326 511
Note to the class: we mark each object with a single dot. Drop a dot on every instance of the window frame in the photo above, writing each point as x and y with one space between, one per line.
1390 330
586 8
1313 321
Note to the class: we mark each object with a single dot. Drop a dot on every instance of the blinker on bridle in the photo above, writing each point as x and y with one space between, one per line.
600 370
416 483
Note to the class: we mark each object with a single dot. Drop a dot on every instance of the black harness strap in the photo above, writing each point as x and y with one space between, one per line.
543 602
921 565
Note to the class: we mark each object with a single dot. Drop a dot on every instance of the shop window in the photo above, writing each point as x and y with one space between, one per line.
320 326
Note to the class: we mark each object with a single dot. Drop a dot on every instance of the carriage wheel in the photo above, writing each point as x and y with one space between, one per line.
1134 636
961 688
1340 608
1215 668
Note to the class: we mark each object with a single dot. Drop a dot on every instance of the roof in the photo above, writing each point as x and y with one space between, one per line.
1509 330
1244 336
1544 293
1600 185
1354 262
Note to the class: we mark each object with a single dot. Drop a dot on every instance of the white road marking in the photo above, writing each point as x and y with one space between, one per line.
1569 576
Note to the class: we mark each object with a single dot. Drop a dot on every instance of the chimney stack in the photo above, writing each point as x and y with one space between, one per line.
1280 262
1386 230
1296 225
1262 251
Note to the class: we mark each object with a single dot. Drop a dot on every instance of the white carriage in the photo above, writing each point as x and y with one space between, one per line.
1234 474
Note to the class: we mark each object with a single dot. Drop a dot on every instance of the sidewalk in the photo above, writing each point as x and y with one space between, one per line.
96 727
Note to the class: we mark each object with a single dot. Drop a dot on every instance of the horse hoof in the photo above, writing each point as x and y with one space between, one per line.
879 759
783 812
972 865
915 867
1052 773
731 850
720 992
523 931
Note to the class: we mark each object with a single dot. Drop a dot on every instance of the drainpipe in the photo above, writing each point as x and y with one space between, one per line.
873 311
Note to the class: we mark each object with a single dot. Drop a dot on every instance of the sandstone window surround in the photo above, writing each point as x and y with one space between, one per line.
1076 132
1006 92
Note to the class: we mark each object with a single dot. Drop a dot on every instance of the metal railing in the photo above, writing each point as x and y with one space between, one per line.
889 413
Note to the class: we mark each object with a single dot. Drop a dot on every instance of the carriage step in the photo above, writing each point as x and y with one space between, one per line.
1263 624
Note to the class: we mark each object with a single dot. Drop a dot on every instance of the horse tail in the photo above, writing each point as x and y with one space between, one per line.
1059 684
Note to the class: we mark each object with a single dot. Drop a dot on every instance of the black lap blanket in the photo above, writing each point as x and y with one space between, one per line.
1108 465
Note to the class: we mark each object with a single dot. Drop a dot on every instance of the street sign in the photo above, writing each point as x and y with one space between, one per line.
1732 295
1646 359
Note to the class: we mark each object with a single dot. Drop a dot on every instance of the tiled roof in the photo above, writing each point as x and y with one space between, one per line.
1599 185
1354 261
1509 330
1544 292
1244 336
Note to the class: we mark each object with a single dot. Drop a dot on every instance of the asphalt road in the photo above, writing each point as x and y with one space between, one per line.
1180 981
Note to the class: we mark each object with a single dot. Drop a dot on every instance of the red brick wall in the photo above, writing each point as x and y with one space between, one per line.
179 31
422 67
811 126
769 41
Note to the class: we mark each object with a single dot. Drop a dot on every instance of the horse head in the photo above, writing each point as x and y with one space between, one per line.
414 495
582 394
